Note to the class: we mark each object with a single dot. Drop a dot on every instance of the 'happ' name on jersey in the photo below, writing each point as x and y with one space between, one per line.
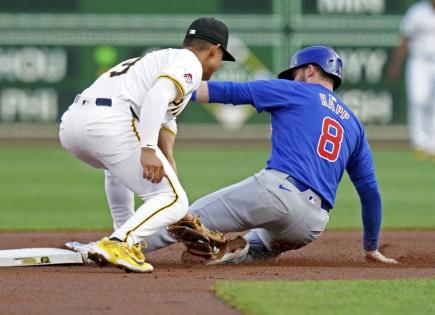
330 103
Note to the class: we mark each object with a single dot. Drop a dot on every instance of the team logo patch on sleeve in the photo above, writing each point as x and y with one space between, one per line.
188 78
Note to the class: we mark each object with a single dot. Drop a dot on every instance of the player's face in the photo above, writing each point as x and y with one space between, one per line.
213 62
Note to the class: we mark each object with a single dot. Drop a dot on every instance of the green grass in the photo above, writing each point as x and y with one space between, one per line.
330 297
407 193
47 188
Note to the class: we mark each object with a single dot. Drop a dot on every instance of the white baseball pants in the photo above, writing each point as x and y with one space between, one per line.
420 80
278 215
106 137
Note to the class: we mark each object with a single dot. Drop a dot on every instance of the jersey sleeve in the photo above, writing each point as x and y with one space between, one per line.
362 173
264 95
371 215
170 127
361 167
185 73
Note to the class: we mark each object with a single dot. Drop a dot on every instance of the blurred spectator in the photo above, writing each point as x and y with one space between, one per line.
417 31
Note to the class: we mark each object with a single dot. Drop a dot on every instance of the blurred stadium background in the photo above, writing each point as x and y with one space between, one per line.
51 50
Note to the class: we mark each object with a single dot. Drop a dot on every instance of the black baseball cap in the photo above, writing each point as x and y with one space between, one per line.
211 30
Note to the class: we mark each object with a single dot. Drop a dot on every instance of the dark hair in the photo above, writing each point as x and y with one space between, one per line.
321 71
196 42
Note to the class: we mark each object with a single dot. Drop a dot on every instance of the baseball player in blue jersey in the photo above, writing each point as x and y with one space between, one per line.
315 137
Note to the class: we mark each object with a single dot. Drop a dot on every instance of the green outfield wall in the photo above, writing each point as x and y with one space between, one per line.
51 50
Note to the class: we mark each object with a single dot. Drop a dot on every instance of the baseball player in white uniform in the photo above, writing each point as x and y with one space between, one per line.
418 35
125 123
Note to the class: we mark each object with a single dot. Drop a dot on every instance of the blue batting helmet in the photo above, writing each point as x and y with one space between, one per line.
323 56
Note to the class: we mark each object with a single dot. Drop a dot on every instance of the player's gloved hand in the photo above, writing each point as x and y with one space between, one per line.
377 256
152 165
199 240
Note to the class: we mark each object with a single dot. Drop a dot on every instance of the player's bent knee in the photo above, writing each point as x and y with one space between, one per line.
182 205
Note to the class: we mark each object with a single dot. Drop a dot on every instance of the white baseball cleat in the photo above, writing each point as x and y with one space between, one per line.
235 253
83 249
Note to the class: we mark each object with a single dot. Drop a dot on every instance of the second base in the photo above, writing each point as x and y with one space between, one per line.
38 257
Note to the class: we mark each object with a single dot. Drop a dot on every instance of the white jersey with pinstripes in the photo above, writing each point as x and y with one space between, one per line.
131 80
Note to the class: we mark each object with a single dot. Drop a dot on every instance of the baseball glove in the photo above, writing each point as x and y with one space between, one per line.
199 241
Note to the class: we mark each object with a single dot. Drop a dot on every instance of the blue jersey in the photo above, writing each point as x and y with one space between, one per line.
315 137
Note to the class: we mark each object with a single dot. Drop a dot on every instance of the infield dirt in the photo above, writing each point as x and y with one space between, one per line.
178 288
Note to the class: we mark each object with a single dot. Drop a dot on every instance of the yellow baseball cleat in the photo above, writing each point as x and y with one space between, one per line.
120 255
420 155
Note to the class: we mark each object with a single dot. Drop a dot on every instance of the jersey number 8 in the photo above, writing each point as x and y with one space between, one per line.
329 144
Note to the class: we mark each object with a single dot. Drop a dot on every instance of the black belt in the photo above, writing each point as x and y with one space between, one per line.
302 187
100 101
103 102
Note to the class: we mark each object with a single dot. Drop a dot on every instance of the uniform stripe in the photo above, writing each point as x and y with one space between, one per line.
176 103
176 111
133 125
175 81
169 131
157 211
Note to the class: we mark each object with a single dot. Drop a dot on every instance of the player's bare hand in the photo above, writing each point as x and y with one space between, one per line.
152 166
377 256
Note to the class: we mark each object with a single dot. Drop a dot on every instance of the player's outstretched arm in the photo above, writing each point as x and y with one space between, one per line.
264 95
372 216
201 94
224 92
362 173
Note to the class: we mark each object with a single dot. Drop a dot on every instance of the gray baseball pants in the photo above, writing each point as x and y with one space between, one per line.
278 216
